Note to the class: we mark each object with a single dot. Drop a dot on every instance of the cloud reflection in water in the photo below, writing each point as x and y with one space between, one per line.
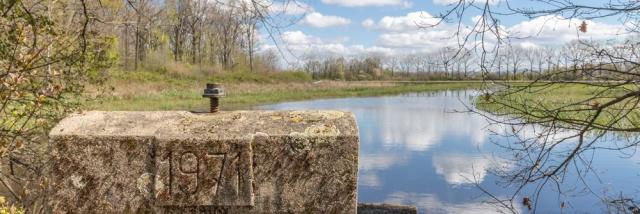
430 203
414 150
369 164
459 169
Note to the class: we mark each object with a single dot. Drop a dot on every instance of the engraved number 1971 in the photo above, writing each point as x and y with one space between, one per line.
186 171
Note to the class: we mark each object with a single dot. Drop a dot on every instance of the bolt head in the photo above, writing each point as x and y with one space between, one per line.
213 90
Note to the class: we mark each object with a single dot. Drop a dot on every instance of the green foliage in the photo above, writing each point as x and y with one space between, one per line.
565 102
156 93
43 62
111 50
112 4
171 75
6 208
47 58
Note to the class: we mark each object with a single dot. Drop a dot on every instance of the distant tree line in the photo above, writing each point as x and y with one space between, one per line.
221 35
565 62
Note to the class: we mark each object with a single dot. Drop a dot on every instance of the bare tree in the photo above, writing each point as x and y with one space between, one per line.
392 64
249 19
531 55
49 53
609 70
269 59
445 57
145 15
230 28
466 59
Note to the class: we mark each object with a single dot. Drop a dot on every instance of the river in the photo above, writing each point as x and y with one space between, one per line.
419 149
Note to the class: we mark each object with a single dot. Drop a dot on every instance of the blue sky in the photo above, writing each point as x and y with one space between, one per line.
390 27
355 30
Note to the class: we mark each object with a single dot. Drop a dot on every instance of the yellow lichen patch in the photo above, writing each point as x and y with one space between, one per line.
322 130
296 119
296 116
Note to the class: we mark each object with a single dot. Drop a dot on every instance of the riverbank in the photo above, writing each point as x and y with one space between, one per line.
573 103
145 91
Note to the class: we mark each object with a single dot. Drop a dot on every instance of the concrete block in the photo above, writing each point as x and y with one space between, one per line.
228 162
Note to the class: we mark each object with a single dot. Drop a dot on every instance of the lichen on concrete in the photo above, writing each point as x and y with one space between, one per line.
228 162
77 182
143 183
322 130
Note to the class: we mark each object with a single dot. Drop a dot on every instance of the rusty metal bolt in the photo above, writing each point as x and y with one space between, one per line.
214 91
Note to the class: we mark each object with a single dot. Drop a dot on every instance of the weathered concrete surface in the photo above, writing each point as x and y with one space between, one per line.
229 162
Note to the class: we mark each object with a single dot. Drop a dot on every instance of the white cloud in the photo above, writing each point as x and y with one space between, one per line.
554 30
380 51
445 2
416 30
370 164
528 45
369 179
451 2
367 3
475 19
290 8
403 35
534 132
460 169
413 133
297 38
300 44
412 21
318 20
372 161
434 39
368 23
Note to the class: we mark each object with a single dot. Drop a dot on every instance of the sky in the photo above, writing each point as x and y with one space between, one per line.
393 27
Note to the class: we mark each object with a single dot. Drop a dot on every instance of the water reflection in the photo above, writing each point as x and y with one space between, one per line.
416 150
532 132
460 169
370 163
433 204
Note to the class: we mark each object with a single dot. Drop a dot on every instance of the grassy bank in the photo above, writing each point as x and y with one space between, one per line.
571 103
157 91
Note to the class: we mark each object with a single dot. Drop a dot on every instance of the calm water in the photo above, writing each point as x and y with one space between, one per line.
416 150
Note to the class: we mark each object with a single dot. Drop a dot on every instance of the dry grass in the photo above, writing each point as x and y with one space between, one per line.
165 92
